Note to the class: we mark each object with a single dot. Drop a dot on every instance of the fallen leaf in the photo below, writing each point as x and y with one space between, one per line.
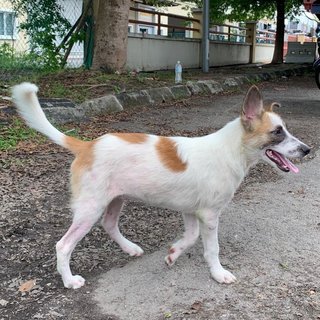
27 286
196 306
283 265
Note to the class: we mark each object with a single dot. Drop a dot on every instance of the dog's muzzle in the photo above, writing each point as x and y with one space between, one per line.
304 150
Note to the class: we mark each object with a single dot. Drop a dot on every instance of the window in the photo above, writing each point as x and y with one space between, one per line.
146 29
7 22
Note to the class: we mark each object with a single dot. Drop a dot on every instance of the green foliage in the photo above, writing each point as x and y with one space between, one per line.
12 134
239 10
58 89
44 22
6 50
11 60
158 3
117 89
17 131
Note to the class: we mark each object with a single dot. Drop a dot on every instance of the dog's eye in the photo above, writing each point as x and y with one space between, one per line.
277 131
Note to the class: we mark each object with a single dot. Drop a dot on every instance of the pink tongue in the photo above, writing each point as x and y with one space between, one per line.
289 164
292 167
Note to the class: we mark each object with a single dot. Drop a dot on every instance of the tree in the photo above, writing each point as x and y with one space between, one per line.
45 21
279 42
111 35
239 10
105 23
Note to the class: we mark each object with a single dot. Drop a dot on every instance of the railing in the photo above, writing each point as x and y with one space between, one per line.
188 21
226 32
300 37
264 36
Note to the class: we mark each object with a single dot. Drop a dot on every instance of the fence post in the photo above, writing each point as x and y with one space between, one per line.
205 36
203 16
89 33
251 38
159 26
197 14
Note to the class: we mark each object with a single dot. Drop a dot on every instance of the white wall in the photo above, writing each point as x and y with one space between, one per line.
263 53
222 54
154 53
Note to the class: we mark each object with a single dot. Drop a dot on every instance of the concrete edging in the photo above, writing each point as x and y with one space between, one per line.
148 97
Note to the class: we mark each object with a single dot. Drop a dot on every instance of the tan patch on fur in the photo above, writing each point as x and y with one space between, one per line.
167 152
83 161
132 137
258 135
265 124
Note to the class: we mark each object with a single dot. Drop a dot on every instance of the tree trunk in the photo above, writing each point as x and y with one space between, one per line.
111 35
278 49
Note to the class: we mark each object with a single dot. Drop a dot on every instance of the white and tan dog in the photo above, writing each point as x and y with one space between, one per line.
197 176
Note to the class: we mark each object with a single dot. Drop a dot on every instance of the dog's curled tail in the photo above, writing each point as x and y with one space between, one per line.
24 96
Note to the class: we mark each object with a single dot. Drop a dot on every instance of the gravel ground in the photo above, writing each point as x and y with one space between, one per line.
35 211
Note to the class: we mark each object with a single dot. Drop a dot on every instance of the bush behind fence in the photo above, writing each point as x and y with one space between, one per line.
18 58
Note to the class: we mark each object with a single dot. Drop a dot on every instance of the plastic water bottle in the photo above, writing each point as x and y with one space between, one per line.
178 72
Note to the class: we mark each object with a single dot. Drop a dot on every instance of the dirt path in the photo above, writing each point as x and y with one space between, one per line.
35 214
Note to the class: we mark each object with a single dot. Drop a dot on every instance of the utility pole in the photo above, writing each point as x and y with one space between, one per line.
205 36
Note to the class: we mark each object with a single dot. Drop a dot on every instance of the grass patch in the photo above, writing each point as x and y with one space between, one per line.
15 132
73 132
59 90
79 84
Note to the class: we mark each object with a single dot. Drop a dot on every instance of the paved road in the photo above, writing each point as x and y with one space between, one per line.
269 235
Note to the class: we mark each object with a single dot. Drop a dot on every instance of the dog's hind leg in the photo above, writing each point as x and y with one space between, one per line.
209 221
190 236
86 214
110 224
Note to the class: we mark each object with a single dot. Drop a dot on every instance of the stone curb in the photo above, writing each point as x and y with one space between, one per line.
148 97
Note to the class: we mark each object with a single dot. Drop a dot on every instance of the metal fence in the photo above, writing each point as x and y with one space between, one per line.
152 22
229 33
16 54
72 10
16 58
265 36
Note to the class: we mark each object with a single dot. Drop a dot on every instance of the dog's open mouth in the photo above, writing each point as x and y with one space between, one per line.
281 161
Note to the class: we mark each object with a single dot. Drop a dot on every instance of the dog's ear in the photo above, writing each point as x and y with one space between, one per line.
252 108
273 105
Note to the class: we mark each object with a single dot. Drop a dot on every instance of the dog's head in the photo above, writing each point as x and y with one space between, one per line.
266 134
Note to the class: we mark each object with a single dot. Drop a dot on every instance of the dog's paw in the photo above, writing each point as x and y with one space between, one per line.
223 276
133 250
169 260
75 282
174 253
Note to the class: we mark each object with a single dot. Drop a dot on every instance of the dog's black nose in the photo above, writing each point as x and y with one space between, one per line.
305 150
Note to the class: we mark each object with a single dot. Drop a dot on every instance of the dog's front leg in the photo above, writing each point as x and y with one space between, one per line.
209 221
190 236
